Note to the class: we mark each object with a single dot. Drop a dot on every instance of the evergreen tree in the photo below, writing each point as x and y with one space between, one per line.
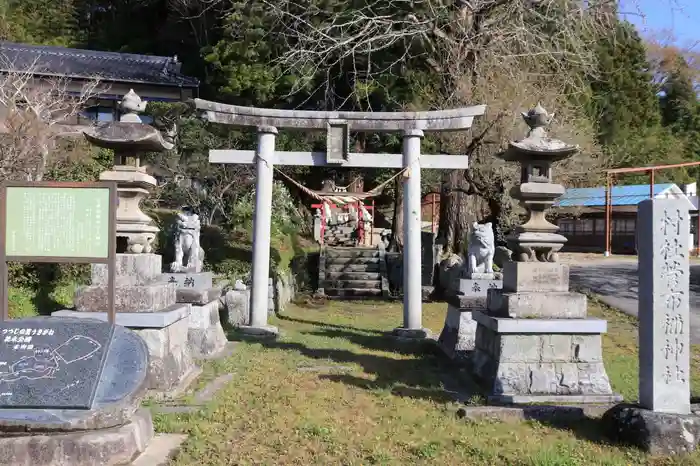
623 94
679 102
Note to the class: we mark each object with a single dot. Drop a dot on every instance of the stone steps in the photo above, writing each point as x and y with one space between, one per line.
353 293
361 275
335 260
352 267
352 253
358 284
352 273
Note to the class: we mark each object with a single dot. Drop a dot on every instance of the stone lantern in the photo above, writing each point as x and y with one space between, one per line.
537 239
129 138
535 342
145 301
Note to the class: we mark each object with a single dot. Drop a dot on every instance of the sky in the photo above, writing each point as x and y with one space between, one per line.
681 17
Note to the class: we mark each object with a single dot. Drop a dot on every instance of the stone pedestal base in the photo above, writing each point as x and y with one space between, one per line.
411 334
206 337
170 360
540 360
268 331
554 305
655 433
458 335
197 296
166 335
113 446
128 298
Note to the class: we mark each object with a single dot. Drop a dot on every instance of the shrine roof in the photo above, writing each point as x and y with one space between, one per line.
91 64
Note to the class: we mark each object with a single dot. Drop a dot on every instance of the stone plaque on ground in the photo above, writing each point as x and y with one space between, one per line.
51 364
664 312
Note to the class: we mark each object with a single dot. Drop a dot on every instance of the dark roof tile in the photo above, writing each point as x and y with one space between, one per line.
90 64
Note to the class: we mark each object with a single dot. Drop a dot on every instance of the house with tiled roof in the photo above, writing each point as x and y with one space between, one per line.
153 78
581 214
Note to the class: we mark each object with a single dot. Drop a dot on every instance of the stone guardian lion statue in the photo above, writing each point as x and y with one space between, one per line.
189 255
481 249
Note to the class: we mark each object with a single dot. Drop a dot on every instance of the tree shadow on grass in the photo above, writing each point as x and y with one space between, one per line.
419 378
585 427
330 326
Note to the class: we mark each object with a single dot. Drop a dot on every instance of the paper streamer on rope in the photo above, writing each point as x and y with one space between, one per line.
340 199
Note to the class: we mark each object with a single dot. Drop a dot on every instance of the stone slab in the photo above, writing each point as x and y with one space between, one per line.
576 399
135 319
544 413
137 298
199 296
106 447
206 394
560 326
190 279
52 363
664 305
121 385
132 269
267 331
327 369
160 450
657 433
410 334
535 276
526 304
458 336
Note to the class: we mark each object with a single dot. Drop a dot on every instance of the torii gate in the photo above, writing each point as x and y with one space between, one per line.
337 126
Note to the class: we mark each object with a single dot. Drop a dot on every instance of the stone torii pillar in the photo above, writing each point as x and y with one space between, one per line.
337 126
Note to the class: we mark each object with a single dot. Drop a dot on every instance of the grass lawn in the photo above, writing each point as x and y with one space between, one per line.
334 391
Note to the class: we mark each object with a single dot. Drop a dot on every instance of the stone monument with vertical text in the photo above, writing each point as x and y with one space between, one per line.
664 308
662 423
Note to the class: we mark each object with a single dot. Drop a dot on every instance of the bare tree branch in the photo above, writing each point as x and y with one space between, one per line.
35 111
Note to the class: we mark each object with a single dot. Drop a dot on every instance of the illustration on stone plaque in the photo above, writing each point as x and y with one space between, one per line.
45 362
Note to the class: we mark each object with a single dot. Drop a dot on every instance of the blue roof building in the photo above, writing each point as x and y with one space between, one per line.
581 214
593 199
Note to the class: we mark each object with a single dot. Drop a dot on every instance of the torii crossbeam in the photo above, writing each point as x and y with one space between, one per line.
337 126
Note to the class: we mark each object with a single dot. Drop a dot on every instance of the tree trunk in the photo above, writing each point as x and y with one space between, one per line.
396 243
457 211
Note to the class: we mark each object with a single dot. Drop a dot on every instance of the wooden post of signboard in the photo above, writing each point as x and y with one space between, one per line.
58 222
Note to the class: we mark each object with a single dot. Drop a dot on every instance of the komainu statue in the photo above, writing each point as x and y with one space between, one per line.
189 256
481 249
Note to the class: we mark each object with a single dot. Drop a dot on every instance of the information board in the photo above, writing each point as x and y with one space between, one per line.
57 222
51 364
54 221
